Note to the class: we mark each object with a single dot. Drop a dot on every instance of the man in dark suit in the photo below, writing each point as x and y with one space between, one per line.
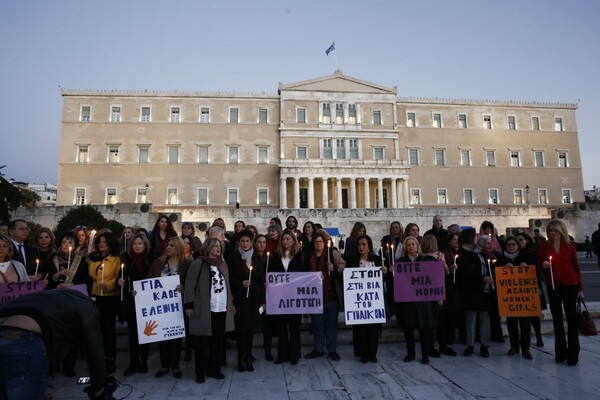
22 252
441 234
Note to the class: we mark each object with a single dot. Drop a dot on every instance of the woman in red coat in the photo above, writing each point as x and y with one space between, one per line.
558 257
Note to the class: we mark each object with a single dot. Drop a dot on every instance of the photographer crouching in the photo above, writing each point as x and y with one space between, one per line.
37 331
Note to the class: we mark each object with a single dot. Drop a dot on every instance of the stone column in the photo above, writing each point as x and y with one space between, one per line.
380 193
367 195
283 193
401 203
352 193
325 193
405 194
311 192
338 193
296 192
394 193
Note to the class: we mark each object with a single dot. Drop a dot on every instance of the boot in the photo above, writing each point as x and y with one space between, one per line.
249 365
242 362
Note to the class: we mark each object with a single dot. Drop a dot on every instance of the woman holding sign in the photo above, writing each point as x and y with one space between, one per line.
246 274
417 315
330 263
510 258
173 262
288 258
208 303
558 257
137 262
365 337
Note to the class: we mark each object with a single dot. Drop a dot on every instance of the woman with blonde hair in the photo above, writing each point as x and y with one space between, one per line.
172 262
558 257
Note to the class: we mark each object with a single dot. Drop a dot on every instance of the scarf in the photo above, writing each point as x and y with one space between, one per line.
212 261
138 262
168 271
247 255
510 257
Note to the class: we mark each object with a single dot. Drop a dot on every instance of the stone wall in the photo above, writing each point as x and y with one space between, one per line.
580 222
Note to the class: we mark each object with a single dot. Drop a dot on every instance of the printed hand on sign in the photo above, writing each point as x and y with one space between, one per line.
150 327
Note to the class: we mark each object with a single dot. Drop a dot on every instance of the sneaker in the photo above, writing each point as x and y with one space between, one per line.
469 351
334 356
434 353
485 353
313 354
447 351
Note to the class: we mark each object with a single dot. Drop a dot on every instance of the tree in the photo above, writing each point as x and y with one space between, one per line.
10 197
86 216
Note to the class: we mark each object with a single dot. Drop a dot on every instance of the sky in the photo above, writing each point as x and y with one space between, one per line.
535 50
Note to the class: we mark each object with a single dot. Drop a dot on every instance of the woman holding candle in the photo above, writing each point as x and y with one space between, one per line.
329 262
246 276
67 267
558 257
417 315
137 265
512 257
288 258
208 303
393 239
260 249
83 240
45 246
125 237
273 238
456 318
171 263
104 268
365 337
474 286
162 230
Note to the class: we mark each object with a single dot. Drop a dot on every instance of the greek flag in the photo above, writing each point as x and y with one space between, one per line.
330 49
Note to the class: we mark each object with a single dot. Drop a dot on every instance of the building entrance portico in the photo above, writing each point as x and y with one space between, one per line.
344 187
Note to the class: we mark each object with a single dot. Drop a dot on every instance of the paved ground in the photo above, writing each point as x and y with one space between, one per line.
498 377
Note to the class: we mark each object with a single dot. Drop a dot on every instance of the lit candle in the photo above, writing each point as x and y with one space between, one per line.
249 282
37 265
392 255
454 271
102 285
122 277
267 263
69 262
551 273
490 270
381 253
328 256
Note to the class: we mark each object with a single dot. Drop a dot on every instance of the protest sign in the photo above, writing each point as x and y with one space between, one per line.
419 281
159 309
363 296
518 293
294 293
13 290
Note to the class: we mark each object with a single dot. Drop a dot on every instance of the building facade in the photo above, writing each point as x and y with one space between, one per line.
328 143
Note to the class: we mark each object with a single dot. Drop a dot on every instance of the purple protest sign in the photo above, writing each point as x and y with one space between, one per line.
12 290
419 281
294 293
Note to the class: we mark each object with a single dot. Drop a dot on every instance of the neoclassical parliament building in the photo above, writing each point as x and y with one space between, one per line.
327 143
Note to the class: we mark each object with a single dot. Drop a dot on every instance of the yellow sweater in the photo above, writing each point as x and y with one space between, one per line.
112 270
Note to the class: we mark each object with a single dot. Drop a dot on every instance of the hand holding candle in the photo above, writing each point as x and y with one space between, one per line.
249 282
122 265
454 268
392 256
102 285
267 269
37 266
551 273
490 271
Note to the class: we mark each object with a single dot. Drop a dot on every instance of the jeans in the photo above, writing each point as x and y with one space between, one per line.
325 327
23 365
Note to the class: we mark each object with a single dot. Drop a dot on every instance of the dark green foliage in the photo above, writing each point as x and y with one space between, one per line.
86 216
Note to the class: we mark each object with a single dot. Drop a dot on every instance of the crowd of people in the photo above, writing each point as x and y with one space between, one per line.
222 299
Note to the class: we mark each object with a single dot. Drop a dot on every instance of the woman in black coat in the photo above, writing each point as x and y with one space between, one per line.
246 277
288 258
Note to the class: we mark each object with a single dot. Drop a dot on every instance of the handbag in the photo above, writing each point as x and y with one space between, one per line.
584 322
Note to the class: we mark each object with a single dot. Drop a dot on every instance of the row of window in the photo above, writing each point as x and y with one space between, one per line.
174 114
439 157
519 196
172 196
344 149
487 123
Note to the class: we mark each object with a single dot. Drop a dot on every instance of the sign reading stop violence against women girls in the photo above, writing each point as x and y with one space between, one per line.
419 281
518 292
159 309
13 290
294 293
363 296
